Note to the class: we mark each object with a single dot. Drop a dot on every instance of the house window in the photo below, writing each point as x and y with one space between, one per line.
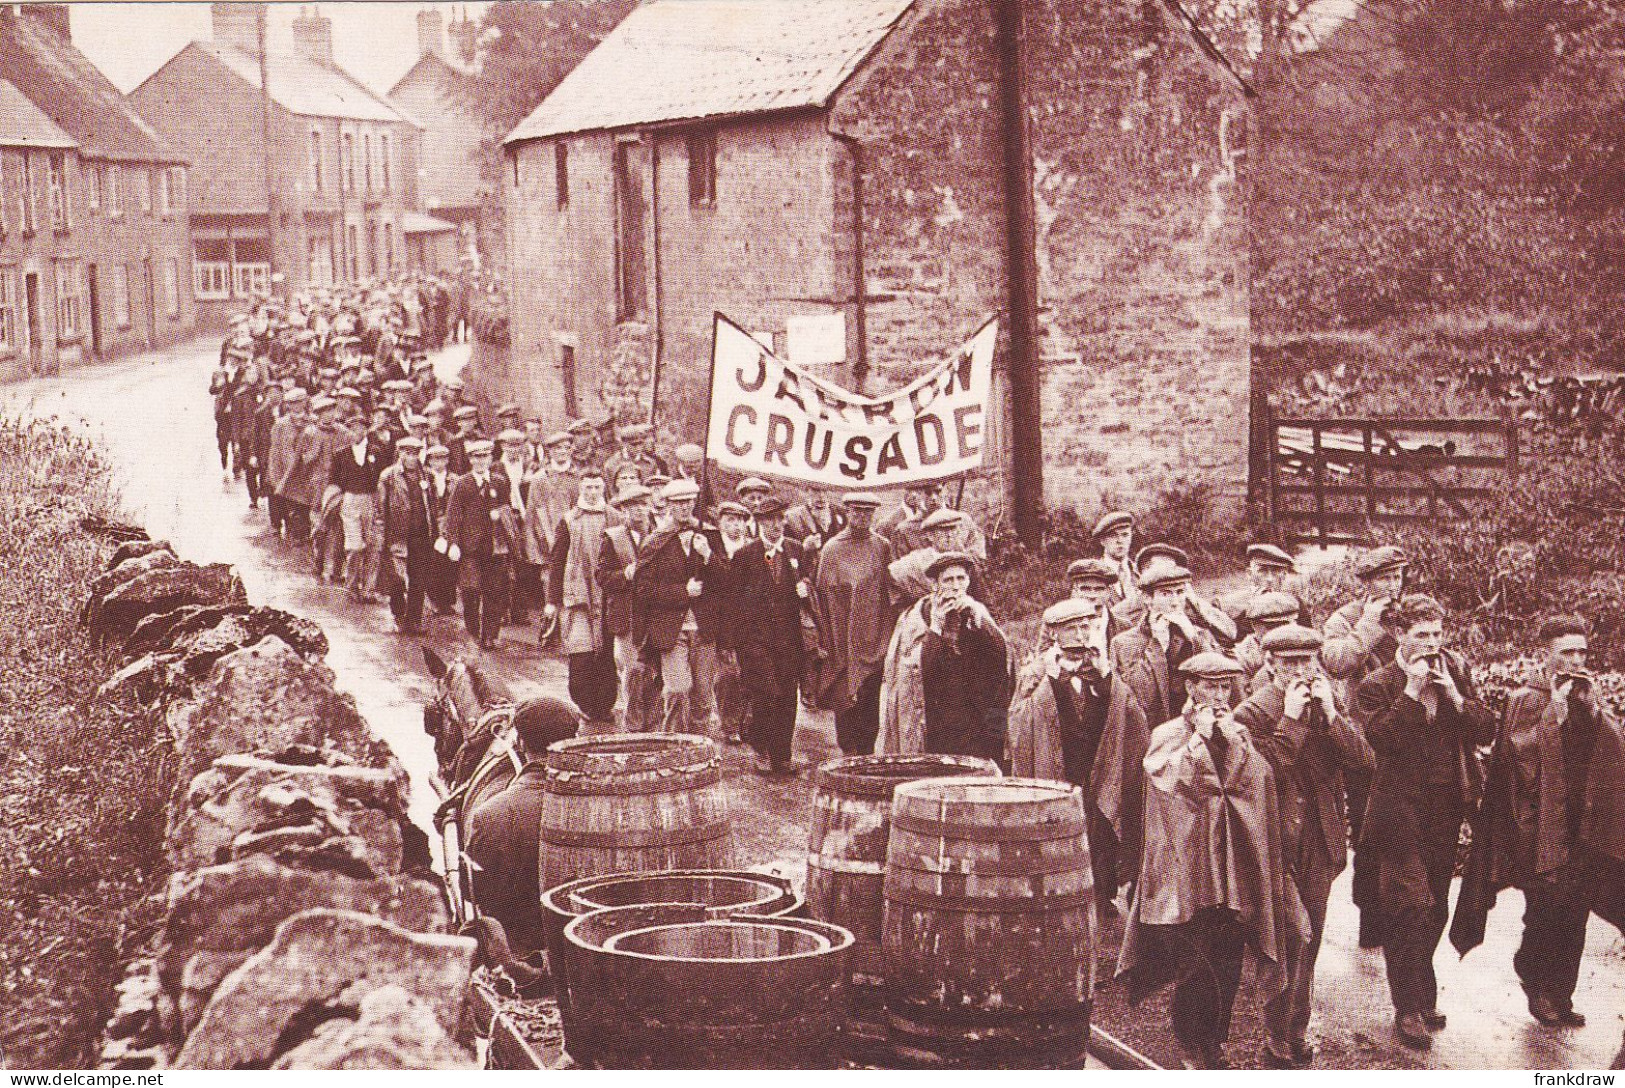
115 198
316 160
165 198
211 268
372 247
56 183
121 296
10 328
93 186
353 250
631 243
347 161
172 287
383 158
250 266
561 173
702 169
30 206
177 187
143 189
366 159
70 300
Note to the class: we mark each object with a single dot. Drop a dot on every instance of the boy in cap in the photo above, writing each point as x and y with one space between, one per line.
1296 723
1210 880
1148 656
855 621
766 623
1075 720
1114 536
1423 719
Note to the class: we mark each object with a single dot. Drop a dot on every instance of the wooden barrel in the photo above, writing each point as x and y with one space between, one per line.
669 986
719 893
636 802
988 929
846 866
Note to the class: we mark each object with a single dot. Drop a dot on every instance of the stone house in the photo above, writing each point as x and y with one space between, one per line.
94 260
832 174
342 193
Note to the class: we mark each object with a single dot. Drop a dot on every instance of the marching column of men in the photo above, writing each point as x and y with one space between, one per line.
1230 753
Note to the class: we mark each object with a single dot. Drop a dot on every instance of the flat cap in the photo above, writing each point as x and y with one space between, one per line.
1273 608
630 495
1111 522
1292 639
604 421
1097 571
1380 561
557 438
544 721
294 395
467 411
508 411
436 450
1163 573
635 432
416 422
730 508
948 560
511 435
942 519
1152 552
689 453
679 489
435 406
397 385
1562 626
480 447
752 483
1270 556
1071 610
455 383
772 507
1211 665
322 403
862 500
656 482
578 426
409 443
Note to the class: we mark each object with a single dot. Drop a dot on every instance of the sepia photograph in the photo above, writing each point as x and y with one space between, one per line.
889 536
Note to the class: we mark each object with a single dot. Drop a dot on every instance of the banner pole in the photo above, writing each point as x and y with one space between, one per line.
710 395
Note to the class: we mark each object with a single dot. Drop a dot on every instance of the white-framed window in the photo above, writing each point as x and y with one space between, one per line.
347 161
165 200
114 194
367 162
172 287
386 150
70 300
93 185
211 268
11 331
143 189
56 187
251 277
177 187
121 295
316 178
30 201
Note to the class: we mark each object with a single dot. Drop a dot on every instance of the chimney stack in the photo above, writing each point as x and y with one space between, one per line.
313 35
431 33
238 25
464 40
52 16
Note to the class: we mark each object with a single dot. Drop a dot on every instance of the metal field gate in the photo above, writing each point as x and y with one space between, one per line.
1331 480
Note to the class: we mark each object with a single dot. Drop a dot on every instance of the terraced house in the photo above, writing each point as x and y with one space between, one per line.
301 171
94 257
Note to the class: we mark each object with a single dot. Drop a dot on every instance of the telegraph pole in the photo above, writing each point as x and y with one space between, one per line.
262 21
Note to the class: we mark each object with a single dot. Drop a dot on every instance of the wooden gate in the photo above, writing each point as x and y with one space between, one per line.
1331 480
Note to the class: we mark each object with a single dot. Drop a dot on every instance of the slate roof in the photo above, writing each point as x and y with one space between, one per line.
677 60
23 125
303 87
62 84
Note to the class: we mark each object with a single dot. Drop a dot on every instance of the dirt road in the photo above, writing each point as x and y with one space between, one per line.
155 419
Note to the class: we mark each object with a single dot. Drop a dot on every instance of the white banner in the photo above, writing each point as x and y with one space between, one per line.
770 418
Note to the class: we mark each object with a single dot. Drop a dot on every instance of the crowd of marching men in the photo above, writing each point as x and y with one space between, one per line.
1230 751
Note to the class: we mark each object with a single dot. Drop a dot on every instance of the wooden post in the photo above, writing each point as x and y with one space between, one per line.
1021 272
1320 486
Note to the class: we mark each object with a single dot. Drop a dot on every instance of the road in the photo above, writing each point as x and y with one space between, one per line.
153 416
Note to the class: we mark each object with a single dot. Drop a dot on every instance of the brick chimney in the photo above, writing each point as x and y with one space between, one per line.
465 34
52 16
313 35
431 33
238 25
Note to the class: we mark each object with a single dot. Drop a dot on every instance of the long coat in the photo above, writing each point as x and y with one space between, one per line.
854 615
573 584
619 551
1211 840
660 588
1114 789
765 614
922 711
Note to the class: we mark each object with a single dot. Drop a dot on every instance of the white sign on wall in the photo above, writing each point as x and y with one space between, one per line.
816 340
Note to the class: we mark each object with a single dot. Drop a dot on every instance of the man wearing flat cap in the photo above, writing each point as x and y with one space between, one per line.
637 702
1297 724
1424 720
553 491
637 447
945 686
666 586
770 576
465 421
814 520
1267 570
1551 822
290 516
575 598
474 540
1095 580
1265 612
411 511
1210 882
1075 720
855 621
902 523
941 534
1148 656
1203 612
1114 536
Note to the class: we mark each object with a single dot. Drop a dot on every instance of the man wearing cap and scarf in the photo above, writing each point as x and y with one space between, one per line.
637 704
1075 720
290 518
262 416
411 514
504 833
1148 656
1211 881
1357 644
1551 822
1423 719
465 421
441 583
667 585
855 621
333 437
718 702
770 590
1297 725
355 470
1199 609
1265 613
474 541
575 597
1267 571
945 686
